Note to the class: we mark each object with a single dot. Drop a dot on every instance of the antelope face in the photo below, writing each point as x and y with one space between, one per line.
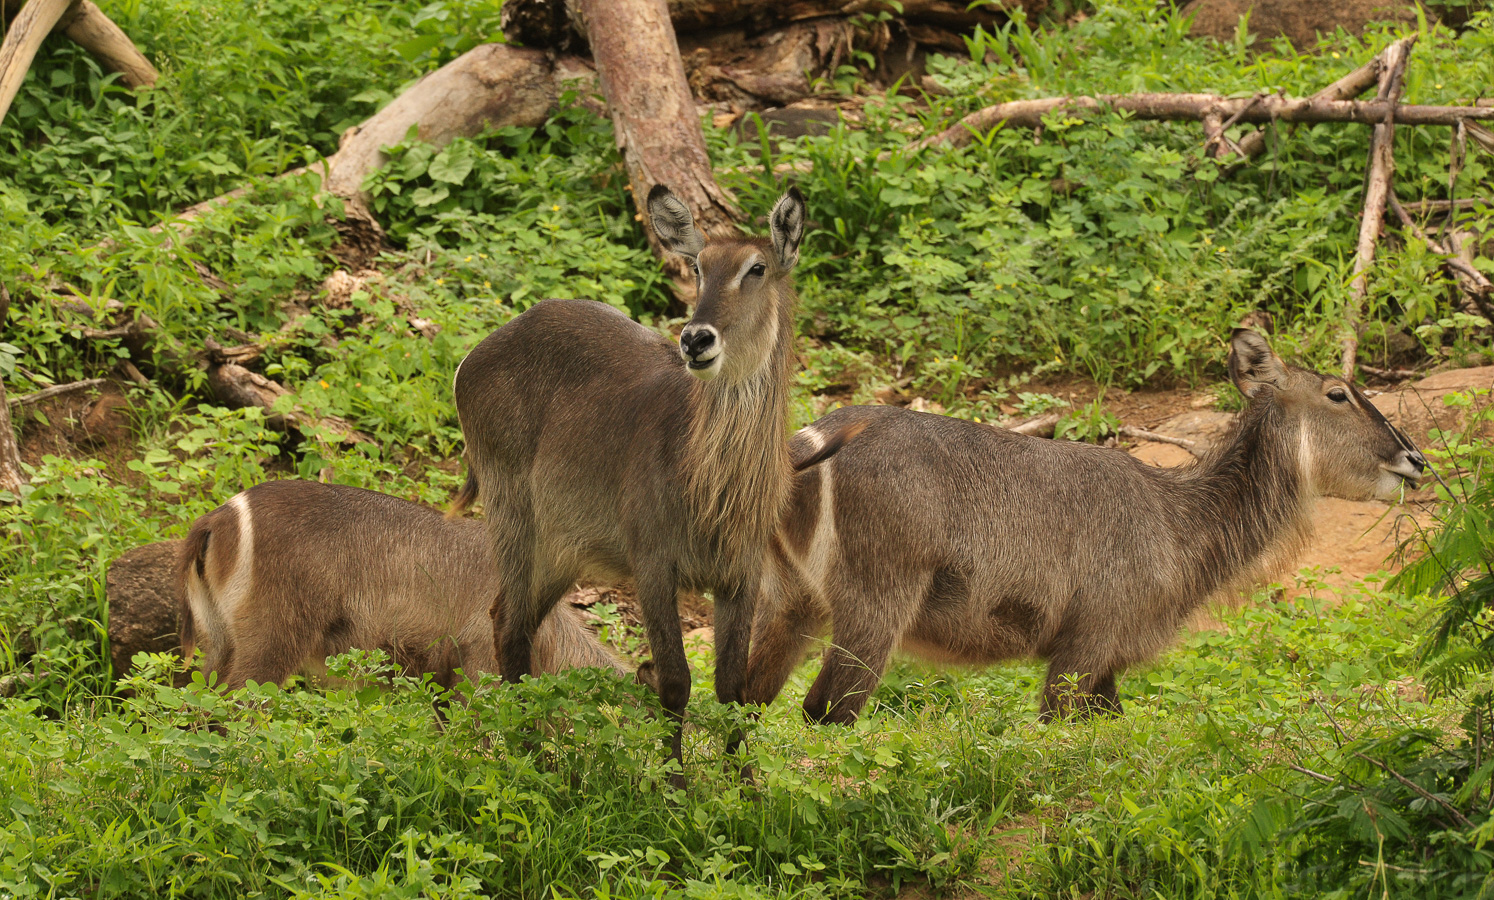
1345 446
739 285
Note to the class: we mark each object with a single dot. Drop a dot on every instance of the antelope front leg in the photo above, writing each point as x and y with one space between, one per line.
733 617
1083 696
658 600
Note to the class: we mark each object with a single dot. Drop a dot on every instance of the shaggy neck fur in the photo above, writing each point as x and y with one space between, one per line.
737 469
1246 506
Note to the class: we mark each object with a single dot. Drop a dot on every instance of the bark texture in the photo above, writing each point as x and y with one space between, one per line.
95 32
653 113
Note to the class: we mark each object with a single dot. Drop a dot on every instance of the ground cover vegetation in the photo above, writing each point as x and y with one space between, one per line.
1289 751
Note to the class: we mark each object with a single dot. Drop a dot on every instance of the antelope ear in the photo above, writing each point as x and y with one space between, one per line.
672 223
786 224
1253 365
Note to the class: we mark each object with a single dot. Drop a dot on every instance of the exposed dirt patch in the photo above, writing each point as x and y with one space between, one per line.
1299 21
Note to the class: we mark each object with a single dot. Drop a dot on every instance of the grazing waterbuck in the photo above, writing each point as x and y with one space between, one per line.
288 573
601 450
966 543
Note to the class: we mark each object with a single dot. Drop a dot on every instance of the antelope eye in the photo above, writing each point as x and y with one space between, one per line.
1338 395
759 270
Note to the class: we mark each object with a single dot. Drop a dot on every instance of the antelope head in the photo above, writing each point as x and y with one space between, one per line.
1345 447
743 286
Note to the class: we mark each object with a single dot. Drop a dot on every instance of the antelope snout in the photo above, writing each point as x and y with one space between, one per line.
700 345
1407 470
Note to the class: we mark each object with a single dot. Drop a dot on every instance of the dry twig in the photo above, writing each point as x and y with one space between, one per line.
1377 188
56 390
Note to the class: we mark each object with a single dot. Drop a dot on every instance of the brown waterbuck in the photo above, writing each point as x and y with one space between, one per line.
601 450
965 543
288 573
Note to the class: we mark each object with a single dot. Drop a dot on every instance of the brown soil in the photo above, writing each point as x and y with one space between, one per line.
1299 21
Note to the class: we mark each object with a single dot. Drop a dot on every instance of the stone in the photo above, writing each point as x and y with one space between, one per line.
140 587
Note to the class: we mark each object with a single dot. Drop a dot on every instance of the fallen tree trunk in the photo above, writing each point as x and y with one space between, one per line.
558 23
56 390
1196 107
106 42
23 38
653 114
490 86
1376 190
80 20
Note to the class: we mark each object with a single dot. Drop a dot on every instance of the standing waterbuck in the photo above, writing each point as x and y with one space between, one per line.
288 573
600 450
966 543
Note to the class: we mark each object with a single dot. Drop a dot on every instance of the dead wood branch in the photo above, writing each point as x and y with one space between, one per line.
237 387
1142 434
1434 207
1346 88
1037 426
1389 374
57 390
1195 107
11 476
1376 190
1420 791
1474 284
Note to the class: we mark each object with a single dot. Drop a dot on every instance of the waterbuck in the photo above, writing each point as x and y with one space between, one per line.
600 450
966 543
288 573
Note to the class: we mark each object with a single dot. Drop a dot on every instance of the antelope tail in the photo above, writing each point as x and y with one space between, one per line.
464 497
191 566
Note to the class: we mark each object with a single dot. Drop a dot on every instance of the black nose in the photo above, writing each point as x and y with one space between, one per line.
695 343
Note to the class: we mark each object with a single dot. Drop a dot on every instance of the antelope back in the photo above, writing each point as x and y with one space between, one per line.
290 572
1345 447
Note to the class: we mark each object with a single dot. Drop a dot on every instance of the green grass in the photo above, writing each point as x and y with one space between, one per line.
1106 248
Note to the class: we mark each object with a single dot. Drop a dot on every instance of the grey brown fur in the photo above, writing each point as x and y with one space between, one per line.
965 543
601 450
290 572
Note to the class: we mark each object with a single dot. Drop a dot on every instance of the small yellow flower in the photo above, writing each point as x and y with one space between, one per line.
1439 87
1219 250
440 281
1157 285
1208 241
555 208
466 259
955 358
486 285
1335 56
324 383
977 420
482 256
